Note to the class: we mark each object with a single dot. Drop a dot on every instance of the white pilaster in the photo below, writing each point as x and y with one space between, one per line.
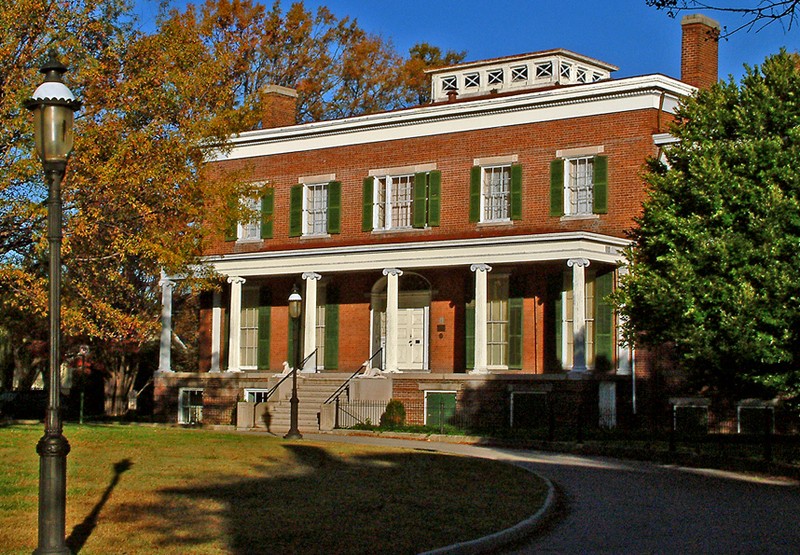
481 313
392 306
310 324
165 346
578 266
216 331
234 351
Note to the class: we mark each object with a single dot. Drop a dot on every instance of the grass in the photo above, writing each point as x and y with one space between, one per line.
136 489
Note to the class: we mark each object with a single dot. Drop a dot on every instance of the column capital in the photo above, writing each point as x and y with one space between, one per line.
580 262
311 275
393 272
166 282
480 268
236 280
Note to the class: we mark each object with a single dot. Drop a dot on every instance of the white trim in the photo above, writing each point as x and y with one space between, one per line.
402 170
496 160
604 97
314 179
580 152
425 254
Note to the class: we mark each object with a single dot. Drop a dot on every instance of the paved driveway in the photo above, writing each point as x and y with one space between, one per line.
622 507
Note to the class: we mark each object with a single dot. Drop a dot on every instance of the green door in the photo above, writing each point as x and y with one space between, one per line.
440 407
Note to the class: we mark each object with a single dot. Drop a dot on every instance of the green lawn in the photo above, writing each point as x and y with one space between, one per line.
137 489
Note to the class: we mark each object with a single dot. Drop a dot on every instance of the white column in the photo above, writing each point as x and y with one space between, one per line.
310 324
392 305
165 347
216 330
578 266
624 352
481 313
234 351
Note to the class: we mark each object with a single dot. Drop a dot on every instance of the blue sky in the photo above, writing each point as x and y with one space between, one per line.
626 33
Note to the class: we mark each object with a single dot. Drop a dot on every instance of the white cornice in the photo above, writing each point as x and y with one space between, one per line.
635 93
425 254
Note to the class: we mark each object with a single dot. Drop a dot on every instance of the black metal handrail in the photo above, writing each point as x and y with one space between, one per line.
341 389
275 387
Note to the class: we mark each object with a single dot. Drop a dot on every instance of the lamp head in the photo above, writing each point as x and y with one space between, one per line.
295 303
53 106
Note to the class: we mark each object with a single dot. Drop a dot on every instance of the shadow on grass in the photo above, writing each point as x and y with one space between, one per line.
81 532
319 503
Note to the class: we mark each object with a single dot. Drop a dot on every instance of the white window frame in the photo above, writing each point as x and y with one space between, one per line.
250 230
449 83
388 206
565 71
495 76
544 70
579 185
472 80
489 198
248 329
315 216
254 393
192 410
519 74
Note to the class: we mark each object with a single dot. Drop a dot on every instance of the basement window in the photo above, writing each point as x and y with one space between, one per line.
190 406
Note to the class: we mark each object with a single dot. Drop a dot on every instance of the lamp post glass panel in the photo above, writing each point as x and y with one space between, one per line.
295 308
53 106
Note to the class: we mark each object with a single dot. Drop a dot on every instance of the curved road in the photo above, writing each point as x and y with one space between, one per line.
622 507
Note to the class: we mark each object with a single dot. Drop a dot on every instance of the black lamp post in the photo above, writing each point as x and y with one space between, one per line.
53 106
295 308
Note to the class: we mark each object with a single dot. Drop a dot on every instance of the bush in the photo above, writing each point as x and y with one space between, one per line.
394 416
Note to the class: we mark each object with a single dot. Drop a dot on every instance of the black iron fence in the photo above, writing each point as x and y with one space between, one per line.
754 432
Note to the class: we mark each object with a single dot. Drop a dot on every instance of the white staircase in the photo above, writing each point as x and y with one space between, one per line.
312 391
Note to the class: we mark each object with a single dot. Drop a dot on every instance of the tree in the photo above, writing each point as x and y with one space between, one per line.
756 14
713 264
424 56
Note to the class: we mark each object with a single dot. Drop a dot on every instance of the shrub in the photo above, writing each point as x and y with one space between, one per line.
394 416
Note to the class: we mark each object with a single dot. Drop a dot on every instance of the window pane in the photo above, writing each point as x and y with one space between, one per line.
496 189
580 185
394 198
495 77
317 209
248 335
251 229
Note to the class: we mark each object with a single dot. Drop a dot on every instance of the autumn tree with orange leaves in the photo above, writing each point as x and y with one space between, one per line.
136 195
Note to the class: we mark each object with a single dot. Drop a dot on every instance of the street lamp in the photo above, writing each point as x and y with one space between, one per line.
53 106
295 308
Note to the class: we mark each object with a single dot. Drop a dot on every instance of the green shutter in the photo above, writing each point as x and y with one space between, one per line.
600 195
557 187
331 337
367 204
475 194
469 336
515 322
516 192
296 211
419 210
263 335
434 197
558 320
267 209
604 343
231 226
335 207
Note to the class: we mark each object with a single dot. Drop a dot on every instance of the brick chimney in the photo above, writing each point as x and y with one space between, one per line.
278 106
699 51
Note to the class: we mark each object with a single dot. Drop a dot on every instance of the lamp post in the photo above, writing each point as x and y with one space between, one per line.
295 308
53 106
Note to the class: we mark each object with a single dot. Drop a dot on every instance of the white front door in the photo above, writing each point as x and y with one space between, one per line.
411 343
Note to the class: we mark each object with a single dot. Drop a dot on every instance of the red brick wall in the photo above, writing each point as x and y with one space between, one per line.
625 136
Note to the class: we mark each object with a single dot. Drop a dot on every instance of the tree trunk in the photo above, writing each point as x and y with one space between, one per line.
119 382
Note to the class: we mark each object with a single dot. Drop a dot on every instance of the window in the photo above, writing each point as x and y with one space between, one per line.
400 201
248 330
472 80
579 185
497 321
566 71
496 193
255 395
315 207
519 73
250 230
190 406
315 221
393 200
544 70
582 75
495 77
449 83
